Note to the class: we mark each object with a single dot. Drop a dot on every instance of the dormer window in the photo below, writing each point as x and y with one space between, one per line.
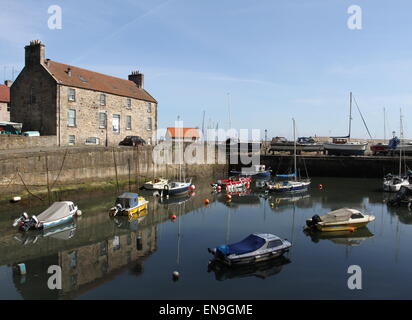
102 99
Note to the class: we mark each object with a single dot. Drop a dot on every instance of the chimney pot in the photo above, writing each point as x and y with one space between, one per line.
137 78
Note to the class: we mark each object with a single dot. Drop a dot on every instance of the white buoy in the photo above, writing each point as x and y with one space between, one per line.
16 199
78 213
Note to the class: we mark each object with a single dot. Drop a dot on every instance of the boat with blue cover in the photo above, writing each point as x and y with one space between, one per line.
256 247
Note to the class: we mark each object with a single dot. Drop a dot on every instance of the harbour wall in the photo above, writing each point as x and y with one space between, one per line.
336 166
55 168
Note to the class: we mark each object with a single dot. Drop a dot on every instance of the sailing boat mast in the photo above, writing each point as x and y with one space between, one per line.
384 125
401 138
350 115
294 147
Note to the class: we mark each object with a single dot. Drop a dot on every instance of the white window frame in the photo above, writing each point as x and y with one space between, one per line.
113 117
102 99
104 120
71 97
128 122
74 118
149 126
73 140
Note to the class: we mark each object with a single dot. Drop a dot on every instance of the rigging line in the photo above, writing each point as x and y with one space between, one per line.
364 122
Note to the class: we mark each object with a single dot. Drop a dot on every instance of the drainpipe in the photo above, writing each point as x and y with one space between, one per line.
59 112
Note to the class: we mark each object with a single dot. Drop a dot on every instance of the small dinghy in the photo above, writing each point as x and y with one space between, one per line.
58 213
393 183
340 220
254 248
232 184
256 171
127 204
156 184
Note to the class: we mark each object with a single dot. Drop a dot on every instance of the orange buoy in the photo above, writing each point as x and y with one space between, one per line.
173 217
352 229
207 201
320 186
192 187
192 194
228 197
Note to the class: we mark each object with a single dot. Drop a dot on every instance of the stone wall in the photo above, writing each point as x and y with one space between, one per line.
33 100
87 107
11 142
82 165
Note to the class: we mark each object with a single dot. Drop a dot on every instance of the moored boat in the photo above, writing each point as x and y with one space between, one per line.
232 184
155 184
256 247
128 203
339 220
255 171
176 188
305 144
58 213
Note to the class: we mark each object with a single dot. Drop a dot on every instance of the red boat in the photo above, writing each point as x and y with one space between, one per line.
232 183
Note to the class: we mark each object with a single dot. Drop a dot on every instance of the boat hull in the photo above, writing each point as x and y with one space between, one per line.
254 259
52 224
341 227
134 210
291 188
345 149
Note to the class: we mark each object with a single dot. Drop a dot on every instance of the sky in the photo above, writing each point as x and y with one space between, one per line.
268 61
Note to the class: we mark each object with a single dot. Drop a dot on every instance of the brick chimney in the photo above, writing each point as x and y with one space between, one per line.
35 53
8 83
137 78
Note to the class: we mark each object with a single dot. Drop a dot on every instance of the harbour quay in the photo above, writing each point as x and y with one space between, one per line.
319 165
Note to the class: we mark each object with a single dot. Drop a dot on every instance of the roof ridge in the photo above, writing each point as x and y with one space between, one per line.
103 74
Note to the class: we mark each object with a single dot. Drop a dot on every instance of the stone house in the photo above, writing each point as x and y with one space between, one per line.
80 106
5 101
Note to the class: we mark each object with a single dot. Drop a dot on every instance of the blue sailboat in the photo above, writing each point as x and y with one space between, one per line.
294 185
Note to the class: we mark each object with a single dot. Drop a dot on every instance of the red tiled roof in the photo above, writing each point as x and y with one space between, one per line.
86 79
4 93
187 132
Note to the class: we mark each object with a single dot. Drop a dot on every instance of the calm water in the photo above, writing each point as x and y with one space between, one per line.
103 258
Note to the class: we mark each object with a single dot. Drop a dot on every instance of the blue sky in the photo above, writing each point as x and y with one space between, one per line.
277 59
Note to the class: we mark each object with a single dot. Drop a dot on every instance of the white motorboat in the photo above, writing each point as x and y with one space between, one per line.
255 248
58 213
340 220
156 184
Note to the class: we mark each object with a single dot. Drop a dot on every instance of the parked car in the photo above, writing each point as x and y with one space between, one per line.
31 134
132 141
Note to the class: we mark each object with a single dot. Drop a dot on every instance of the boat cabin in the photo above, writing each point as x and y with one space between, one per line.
339 140
128 200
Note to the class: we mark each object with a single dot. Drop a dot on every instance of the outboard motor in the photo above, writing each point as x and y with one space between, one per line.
30 224
315 219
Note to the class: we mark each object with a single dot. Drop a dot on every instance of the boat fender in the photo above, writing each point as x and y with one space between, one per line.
25 216
79 213
15 199
192 187
35 219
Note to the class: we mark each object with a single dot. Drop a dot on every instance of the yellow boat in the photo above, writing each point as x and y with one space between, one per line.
129 204
340 220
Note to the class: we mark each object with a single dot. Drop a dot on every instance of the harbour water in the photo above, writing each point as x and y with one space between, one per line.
105 258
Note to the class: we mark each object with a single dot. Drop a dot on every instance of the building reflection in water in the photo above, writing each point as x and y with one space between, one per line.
88 266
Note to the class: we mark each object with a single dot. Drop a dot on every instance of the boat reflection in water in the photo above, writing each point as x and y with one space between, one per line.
347 238
260 270
62 232
284 201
